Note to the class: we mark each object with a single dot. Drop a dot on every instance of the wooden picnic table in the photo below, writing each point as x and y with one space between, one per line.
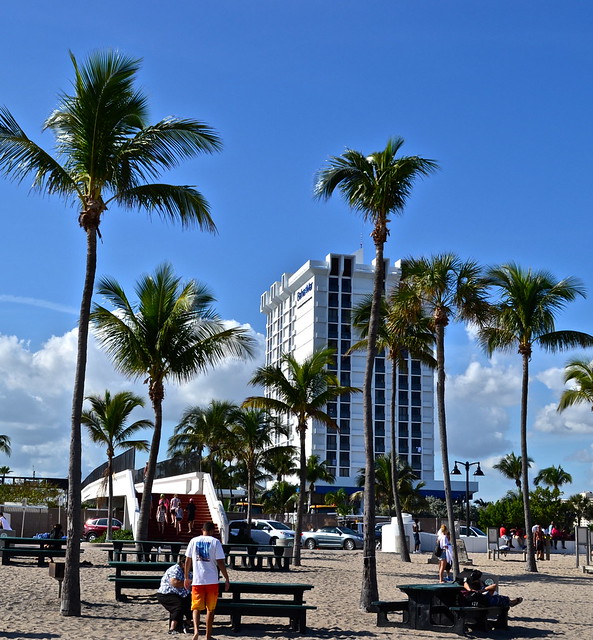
237 605
151 550
127 576
257 557
11 547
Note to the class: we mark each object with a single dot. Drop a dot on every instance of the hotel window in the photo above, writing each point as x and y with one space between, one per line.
347 267
346 300
346 332
379 396
416 398
346 285
344 411
332 315
416 445
380 380
345 378
380 365
344 346
416 430
416 383
346 315
332 330
402 413
403 429
416 414
346 363
402 397
402 381
331 442
403 445
333 300
334 284
379 428
380 445
331 458
332 409
335 266
417 463
379 413
344 459
344 443
415 368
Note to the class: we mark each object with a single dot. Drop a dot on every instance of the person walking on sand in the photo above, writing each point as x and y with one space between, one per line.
416 531
446 554
206 556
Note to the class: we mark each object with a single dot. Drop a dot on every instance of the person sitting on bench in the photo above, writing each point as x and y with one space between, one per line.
487 593
176 599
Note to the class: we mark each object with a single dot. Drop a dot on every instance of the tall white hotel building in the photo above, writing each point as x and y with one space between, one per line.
311 309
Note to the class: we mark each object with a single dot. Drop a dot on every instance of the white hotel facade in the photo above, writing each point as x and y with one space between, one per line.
311 309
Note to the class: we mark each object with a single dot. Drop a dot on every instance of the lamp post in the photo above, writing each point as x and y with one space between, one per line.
457 472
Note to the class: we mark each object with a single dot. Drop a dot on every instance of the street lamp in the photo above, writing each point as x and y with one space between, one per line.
457 472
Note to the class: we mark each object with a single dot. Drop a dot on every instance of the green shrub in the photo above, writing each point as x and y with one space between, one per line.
118 534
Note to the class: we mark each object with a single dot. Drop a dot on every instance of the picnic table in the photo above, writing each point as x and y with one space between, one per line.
127 576
151 550
235 604
257 556
437 607
32 548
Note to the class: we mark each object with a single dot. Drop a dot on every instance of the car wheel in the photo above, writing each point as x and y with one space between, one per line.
91 536
273 540
349 545
310 544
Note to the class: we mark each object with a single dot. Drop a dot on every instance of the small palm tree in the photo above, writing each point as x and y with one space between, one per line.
106 422
448 288
580 373
299 390
5 445
253 433
581 506
341 500
553 477
281 462
403 329
280 498
4 471
106 152
315 471
172 332
377 186
525 316
203 428
511 467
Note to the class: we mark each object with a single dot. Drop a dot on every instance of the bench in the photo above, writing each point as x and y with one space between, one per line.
136 580
504 552
25 552
255 562
297 613
479 617
383 607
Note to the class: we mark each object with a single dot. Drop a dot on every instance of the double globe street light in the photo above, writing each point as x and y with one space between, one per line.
457 472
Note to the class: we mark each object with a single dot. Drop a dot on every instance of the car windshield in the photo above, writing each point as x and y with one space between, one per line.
478 532
348 531
279 525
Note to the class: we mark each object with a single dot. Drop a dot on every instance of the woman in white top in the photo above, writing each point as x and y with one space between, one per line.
446 557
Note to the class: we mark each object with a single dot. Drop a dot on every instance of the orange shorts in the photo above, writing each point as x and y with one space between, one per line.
204 596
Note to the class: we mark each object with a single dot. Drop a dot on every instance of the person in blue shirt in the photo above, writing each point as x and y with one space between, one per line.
176 599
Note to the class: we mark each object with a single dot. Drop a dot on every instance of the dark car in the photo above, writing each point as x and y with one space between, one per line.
95 527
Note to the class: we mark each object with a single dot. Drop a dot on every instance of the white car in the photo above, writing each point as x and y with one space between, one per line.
264 531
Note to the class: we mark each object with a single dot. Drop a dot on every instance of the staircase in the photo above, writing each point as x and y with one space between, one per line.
202 515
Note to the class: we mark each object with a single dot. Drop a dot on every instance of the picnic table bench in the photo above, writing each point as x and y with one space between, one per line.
236 606
257 557
31 548
123 579
437 607
150 551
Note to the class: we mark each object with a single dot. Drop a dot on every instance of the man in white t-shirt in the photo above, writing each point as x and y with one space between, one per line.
205 556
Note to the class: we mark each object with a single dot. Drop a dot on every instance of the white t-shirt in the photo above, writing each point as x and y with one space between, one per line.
204 552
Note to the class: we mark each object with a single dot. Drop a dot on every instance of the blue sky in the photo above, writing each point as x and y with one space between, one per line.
499 93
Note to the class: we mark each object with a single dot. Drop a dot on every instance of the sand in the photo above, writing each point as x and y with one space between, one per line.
558 600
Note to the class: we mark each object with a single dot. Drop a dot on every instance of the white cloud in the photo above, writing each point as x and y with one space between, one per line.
552 378
574 420
36 302
36 397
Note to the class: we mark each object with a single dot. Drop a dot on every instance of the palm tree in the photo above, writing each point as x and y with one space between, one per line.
377 186
280 462
105 152
580 373
107 425
581 506
4 471
172 332
300 391
553 477
525 316
254 432
403 330
280 498
5 445
341 500
203 427
448 288
315 471
511 467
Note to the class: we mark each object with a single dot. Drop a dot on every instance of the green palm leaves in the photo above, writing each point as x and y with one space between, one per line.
5 445
580 373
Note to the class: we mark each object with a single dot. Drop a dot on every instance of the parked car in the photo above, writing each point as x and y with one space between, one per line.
263 531
474 532
332 537
95 527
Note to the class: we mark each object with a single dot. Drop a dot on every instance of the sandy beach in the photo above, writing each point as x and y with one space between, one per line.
557 600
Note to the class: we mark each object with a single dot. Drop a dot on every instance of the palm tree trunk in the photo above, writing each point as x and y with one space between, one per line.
531 563
70 604
298 530
440 347
156 393
109 534
404 552
369 591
